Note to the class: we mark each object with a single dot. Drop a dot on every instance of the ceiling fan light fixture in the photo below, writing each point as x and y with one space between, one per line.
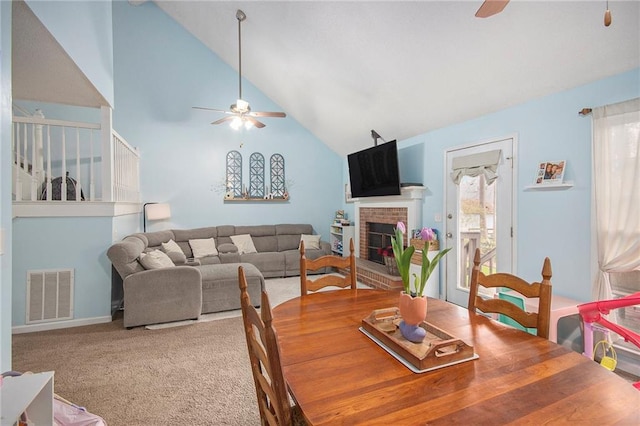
236 123
241 109
242 105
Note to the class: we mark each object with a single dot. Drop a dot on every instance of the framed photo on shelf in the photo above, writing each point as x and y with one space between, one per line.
550 172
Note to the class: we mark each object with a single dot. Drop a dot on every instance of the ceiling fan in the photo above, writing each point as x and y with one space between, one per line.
240 113
490 8
493 7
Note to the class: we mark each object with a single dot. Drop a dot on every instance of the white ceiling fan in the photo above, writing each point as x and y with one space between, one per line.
493 7
240 113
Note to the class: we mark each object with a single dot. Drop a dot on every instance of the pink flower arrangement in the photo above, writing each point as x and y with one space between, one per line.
427 234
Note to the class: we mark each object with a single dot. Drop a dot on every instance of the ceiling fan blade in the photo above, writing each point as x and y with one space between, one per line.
222 120
490 8
213 109
255 122
267 114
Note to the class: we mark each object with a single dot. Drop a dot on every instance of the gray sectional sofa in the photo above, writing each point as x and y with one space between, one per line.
206 284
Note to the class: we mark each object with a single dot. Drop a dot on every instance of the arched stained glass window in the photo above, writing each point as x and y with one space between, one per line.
256 175
234 173
277 176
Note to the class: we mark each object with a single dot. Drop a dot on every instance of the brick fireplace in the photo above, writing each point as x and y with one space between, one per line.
373 215
390 210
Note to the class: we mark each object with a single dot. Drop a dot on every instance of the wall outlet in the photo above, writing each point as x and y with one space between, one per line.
437 217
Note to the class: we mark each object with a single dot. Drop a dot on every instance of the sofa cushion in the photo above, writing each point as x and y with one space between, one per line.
224 234
154 239
195 234
203 247
220 291
155 260
311 242
182 237
288 235
175 253
270 264
244 243
227 248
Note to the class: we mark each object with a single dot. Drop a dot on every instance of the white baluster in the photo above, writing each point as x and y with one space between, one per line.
92 186
32 172
78 187
63 184
18 180
48 178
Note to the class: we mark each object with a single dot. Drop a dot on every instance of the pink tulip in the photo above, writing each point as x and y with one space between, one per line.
427 234
401 227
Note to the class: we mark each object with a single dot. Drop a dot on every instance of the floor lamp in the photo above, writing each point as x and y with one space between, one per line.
154 211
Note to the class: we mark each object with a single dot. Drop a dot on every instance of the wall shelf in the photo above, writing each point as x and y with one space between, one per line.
555 187
256 200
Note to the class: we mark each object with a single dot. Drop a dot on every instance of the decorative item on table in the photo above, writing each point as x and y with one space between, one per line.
389 260
413 302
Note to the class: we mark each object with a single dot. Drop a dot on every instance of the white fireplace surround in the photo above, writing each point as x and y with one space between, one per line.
410 199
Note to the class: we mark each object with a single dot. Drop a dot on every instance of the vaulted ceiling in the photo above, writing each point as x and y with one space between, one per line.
404 68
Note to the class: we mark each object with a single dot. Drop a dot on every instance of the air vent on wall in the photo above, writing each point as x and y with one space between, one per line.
49 295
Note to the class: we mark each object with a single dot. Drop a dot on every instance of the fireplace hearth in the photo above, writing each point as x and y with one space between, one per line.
385 211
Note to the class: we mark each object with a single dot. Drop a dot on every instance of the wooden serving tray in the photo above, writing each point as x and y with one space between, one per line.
438 349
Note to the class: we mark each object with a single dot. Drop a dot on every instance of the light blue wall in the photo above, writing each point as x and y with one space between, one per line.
183 157
548 223
161 71
5 184
84 30
65 243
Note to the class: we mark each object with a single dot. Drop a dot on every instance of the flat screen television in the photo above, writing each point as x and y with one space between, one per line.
373 172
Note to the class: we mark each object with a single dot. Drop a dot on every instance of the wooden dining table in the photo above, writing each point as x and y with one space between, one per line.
340 376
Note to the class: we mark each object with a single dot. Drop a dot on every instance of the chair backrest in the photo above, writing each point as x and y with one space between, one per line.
264 355
542 291
340 263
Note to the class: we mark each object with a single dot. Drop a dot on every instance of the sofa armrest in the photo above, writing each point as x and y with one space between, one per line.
162 295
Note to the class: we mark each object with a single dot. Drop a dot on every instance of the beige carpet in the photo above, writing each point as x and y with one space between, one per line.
196 374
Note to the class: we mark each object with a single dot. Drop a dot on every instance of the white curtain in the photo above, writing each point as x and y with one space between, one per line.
616 191
485 163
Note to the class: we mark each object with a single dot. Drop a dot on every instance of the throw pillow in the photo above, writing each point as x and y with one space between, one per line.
244 243
155 260
310 241
203 247
174 252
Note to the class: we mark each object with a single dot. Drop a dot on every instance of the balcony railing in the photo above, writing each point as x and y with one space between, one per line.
63 161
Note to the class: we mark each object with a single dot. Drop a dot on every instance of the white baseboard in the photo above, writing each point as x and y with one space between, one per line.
31 328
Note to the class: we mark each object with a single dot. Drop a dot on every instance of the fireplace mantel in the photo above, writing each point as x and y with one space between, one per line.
410 202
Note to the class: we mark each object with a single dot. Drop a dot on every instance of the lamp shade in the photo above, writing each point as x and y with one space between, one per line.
158 211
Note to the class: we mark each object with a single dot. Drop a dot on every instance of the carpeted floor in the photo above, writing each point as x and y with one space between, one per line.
196 374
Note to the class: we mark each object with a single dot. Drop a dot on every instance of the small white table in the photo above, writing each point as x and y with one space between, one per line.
32 393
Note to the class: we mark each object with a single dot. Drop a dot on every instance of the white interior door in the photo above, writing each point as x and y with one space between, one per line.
478 215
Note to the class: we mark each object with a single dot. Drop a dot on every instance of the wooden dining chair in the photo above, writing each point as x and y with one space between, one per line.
337 279
264 356
542 291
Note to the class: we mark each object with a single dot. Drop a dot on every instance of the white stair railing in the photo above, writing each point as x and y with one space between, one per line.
126 176
43 149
